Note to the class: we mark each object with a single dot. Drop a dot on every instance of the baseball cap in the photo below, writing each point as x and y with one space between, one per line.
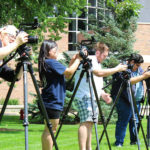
137 58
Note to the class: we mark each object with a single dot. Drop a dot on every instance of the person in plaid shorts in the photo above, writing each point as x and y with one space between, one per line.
83 100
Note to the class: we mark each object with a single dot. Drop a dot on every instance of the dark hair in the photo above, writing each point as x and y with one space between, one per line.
46 46
136 57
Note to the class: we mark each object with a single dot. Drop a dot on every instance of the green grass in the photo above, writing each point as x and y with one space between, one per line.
12 136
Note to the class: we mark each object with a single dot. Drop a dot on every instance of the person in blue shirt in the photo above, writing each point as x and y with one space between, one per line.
52 75
124 111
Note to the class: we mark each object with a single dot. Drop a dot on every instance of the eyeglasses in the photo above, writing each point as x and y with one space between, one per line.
11 36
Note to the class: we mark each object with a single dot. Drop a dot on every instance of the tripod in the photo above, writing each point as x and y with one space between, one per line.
126 82
146 109
87 69
27 66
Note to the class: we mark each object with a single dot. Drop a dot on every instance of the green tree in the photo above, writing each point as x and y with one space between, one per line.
52 14
115 25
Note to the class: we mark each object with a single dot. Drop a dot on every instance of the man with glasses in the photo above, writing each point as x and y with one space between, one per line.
123 106
10 41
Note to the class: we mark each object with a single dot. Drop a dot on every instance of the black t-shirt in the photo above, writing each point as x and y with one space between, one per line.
5 72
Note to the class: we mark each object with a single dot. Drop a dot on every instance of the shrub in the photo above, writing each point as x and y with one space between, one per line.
10 102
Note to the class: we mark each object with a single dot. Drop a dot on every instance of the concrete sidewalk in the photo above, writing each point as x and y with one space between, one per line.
12 109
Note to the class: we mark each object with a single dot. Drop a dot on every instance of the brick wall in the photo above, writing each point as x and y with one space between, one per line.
142 44
17 92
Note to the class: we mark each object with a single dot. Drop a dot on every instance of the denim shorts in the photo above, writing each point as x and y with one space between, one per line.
85 109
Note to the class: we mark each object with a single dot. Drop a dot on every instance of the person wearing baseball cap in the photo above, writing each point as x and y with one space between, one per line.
136 76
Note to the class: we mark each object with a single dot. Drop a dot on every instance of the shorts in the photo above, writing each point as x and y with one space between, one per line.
53 114
85 109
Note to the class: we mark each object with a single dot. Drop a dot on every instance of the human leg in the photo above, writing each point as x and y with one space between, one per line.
124 115
47 142
133 138
86 122
85 135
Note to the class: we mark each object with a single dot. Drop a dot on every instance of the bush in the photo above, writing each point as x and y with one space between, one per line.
36 116
10 102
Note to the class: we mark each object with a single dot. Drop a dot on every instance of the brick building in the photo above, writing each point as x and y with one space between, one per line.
142 43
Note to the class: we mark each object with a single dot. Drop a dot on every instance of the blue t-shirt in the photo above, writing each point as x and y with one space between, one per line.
53 93
139 89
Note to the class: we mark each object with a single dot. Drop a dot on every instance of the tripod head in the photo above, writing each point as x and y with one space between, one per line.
87 63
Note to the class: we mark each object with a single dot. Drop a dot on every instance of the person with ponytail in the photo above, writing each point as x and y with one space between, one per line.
52 76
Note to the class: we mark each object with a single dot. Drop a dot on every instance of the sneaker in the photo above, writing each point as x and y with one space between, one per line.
119 145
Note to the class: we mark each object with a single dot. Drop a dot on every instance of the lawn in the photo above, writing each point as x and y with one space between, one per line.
12 136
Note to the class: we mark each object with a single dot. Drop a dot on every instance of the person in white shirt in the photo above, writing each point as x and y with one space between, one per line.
83 99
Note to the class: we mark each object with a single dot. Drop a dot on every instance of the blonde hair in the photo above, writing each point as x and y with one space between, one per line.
10 29
101 47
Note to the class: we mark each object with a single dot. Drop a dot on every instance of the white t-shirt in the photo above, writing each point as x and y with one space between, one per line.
83 89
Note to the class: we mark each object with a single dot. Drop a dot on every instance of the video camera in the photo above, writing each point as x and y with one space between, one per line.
31 39
88 45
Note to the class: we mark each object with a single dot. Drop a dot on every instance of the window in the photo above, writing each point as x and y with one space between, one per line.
82 22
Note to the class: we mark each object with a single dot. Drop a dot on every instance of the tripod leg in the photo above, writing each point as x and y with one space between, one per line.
6 100
9 94
100 110
136 110
70 102
26 123
133 105
114 104
147 107
49 125
148 130
92 104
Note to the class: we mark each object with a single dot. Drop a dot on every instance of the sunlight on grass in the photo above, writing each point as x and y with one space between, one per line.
12 136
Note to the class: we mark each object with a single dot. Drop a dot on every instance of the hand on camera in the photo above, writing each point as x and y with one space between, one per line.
21 38
106 97
121 67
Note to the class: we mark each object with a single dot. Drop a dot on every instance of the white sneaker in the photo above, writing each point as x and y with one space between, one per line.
119 145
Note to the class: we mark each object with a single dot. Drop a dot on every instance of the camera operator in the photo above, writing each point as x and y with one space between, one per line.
123 106
9 41
83 100
52 75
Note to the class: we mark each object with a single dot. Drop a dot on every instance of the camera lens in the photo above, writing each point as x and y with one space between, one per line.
32 39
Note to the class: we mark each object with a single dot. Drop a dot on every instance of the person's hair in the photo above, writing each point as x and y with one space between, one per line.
46 46
136 57
101 47
10 29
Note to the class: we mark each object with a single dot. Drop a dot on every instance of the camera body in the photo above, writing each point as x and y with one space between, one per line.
129 66
23 49
88 46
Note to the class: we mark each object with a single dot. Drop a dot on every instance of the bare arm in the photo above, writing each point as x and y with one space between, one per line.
144 76
73 65
109 71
